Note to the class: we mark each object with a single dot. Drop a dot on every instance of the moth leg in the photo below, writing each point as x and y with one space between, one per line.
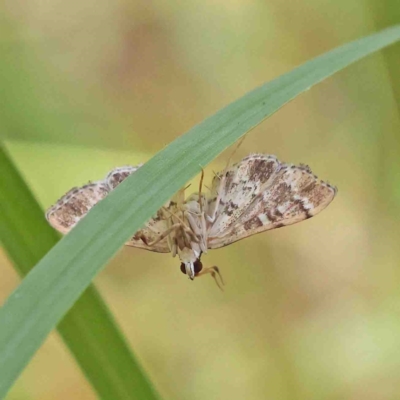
199 231
173 248
214 272
177 217
143 239
193 224
222 176
171 240
211 218
204 231
191 234
183 225
164 234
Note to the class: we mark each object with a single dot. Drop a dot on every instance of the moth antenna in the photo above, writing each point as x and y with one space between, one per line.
241 140
222 177
200 188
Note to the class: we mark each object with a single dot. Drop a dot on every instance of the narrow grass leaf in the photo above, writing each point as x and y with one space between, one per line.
88 329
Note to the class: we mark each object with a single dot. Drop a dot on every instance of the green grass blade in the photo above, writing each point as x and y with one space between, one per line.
62 275
88 329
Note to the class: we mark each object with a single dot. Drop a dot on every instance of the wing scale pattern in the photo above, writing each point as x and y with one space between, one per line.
74 205
290 194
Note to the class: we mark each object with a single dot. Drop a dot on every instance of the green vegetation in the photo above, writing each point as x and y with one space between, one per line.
64 269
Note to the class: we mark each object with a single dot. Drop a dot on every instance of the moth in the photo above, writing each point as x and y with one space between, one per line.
256 194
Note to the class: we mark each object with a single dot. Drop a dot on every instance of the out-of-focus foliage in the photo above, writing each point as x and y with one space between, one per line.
309 311
88 328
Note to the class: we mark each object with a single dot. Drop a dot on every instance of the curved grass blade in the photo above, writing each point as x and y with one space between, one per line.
88 329
62 275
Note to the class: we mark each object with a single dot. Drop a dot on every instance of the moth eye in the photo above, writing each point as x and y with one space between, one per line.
198 266
183 269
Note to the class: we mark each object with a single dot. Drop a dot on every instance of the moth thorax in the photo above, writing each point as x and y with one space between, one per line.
192 206
193 203
188 255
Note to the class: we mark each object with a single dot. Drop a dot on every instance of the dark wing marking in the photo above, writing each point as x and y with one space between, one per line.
74 205
294 195
117 175
235 189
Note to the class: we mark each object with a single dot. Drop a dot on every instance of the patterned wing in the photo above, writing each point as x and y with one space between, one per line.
74 205
144 237
293 195
117 175
154 227
234 190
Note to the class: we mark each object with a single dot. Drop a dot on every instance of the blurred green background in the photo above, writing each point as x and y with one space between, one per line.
311 311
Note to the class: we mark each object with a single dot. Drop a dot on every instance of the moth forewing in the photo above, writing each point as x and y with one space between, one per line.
74 205
237 187
119 174
291 194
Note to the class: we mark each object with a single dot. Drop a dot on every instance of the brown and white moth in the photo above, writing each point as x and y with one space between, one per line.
257 194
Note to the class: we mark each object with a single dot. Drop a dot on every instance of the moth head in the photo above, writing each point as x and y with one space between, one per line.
191 269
